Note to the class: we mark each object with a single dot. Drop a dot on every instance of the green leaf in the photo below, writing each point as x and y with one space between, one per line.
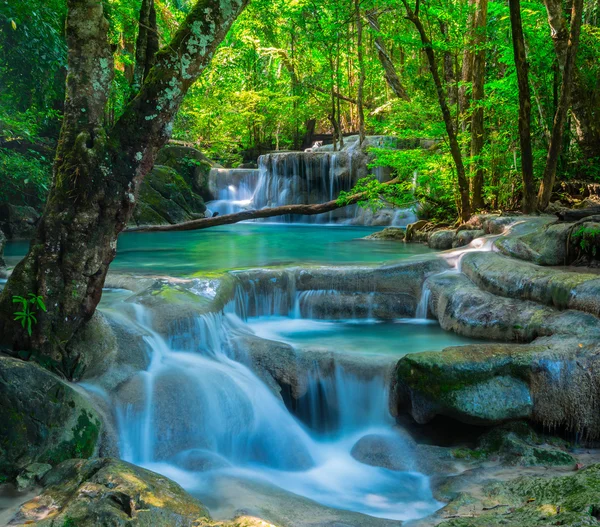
40 303
29 326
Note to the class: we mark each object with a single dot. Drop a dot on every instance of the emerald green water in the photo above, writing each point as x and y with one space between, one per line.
246 245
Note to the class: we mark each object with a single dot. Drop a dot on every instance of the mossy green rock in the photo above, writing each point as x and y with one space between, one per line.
389 233
103 492
165 197
42 418
191 164
572 501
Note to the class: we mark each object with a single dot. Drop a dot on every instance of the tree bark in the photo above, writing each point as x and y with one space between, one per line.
563 107
463 182
585 104
391 75
361 73
146 45
98 172
522 67
467 70
253 214
477 124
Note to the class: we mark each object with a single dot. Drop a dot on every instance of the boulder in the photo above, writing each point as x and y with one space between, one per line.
413 228
110 492
165 197
394 451
18 222
43 419
465 237
441 240
389 233
193 166
544 246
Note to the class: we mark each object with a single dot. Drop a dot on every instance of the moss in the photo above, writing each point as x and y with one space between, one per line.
82 445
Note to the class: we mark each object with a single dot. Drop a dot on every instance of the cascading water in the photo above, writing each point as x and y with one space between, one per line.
205 419
232 189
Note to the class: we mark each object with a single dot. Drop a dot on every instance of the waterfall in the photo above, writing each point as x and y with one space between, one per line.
202 417
232 189
423 305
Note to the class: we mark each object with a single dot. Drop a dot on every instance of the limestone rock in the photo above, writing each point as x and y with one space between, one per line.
165 197
441 240
465 237
42 418
389 233
191 164
110 492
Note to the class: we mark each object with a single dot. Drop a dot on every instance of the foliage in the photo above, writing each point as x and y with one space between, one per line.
25 178
588 239
29 308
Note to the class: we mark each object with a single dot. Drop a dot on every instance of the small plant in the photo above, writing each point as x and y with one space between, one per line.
588 238
29 306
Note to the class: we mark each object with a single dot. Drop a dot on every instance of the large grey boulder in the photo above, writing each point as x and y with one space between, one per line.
18 222
43 419
441 240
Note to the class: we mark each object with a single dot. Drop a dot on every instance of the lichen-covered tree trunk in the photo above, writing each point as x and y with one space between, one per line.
562 108
522 67
97 172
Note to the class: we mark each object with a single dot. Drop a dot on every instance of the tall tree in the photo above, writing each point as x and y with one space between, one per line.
361 72
463 182
522 67
98 171
477 130
563 106
391 75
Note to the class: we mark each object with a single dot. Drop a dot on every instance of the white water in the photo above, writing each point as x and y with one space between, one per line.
198 416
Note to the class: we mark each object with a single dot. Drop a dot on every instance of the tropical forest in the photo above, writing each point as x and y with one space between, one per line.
286 263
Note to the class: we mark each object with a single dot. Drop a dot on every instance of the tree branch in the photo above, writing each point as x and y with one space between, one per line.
228 219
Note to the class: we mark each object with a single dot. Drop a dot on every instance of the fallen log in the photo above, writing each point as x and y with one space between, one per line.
574 215
253 214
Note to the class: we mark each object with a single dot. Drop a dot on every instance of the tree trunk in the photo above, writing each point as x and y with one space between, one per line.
146 45
361 73
585 103
467 70
391 75
463 182
270 212
522 67
97 172
563 107
477 96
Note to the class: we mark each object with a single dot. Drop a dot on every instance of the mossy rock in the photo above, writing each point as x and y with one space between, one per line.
166 197
191 164
42 418
111 492
389 233
572 500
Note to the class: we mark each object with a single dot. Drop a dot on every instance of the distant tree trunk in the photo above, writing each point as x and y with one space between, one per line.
563 107
463 182
529 199
361 73
98 172
585 102
478 96
448 66
467 70
391 75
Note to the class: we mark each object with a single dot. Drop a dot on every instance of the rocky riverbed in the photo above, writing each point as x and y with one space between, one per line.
505 427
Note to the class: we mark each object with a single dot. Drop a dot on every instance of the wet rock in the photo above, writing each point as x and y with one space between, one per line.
507 277
42 418
547 382
31 475
462 307
568 499
413 230
394 451
166 198
110 492
465 237
441 240
193 166
199 460
18 222
389 233
544 246
517 444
